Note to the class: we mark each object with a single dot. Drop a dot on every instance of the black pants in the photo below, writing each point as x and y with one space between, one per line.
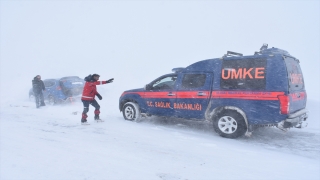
94 103
39 99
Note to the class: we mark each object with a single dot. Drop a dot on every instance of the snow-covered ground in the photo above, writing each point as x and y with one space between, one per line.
136 42
50 143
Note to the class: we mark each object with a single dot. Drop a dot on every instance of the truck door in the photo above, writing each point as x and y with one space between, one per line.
297 94
193 95
160 95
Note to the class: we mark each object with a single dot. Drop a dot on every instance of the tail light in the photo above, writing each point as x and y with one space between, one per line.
58 88
284 104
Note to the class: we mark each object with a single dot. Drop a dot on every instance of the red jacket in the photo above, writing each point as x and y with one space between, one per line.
90 90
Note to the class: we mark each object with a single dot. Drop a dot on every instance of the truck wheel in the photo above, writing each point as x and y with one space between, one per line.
229 124
131 111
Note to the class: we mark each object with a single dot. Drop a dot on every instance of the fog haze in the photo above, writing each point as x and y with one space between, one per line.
137 41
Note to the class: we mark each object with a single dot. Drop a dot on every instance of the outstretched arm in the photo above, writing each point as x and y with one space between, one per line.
110 80
99 82
103 82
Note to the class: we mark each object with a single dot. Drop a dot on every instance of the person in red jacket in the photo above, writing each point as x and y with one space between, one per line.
88 95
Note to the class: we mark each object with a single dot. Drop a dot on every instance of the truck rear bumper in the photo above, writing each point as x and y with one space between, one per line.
296 119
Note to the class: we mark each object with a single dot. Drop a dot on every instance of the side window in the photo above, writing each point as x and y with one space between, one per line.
48 83
164 83
78 81
190 81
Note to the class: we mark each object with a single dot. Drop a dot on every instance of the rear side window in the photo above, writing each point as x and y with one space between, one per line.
48 83
193 80
73 80
244 74
294 74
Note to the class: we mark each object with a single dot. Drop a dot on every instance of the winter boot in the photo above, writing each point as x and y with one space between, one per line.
38 104
96 115
84 118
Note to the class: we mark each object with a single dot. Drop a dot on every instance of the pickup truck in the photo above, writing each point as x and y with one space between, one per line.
237 93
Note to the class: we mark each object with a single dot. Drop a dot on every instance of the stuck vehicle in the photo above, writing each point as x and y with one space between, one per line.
61 90
237 93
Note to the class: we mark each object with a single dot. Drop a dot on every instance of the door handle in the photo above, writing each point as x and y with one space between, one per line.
171 94
201 93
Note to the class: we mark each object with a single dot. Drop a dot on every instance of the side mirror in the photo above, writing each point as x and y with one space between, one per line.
147 87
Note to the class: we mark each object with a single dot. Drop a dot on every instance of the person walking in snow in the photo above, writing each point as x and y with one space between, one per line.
88 95
38 87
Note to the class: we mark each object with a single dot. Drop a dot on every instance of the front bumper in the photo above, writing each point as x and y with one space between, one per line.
296 119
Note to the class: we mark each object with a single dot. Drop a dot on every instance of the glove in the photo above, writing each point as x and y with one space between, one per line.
110 80
99 96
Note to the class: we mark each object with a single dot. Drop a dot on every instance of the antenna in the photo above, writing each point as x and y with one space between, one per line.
264 47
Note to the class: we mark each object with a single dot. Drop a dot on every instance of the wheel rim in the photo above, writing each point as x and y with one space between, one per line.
227 124
129 112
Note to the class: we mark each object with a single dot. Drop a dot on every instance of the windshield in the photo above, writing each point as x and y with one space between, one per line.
165 83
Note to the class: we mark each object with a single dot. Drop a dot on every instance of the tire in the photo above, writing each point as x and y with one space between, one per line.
131 111
51 100
229 124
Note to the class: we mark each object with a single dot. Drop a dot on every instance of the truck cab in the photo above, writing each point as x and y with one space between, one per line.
235 92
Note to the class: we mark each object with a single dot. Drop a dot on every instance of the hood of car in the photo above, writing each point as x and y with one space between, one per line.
135 90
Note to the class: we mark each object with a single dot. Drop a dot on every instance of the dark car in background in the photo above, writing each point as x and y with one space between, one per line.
61 90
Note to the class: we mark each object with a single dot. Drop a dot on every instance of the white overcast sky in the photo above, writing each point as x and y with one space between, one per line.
137 41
